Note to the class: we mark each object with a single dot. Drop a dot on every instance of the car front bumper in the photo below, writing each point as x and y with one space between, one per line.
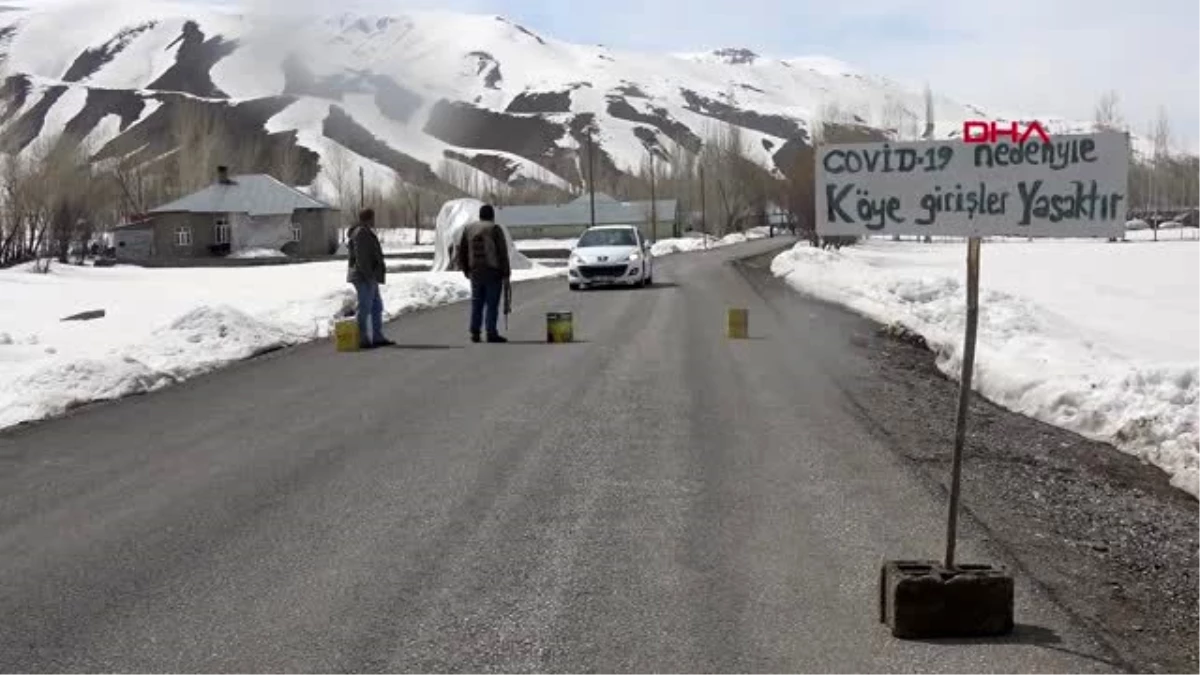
619 274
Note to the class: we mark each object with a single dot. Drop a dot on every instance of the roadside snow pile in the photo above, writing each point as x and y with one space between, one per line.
1093 337
396 239
664 247
163 326
207 338
254 253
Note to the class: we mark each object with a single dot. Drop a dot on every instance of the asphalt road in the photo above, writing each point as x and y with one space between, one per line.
651 498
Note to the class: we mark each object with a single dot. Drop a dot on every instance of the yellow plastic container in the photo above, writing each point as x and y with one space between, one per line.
560 327
738 324
345 334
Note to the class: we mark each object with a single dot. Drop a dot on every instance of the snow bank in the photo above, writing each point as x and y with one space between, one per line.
1093 337
397 239
703 242
163 326
258 253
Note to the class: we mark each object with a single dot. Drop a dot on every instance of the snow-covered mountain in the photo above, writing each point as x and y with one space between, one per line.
403 93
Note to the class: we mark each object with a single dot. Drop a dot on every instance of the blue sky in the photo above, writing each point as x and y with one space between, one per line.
1036 56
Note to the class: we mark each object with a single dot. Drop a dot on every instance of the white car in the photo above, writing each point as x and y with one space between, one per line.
610 255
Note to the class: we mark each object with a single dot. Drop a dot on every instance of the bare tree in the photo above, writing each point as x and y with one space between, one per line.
286 163
740 186
893 116
46 194
829 114
1161 162
466 178
201 145
341 176
1108 115
24 209
930 122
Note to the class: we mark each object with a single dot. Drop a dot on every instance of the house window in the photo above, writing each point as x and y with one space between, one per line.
221 230
183 235
296 229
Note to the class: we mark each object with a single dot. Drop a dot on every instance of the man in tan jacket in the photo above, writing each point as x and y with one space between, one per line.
483 258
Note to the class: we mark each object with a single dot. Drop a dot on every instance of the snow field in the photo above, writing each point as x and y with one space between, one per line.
163 326
1098 338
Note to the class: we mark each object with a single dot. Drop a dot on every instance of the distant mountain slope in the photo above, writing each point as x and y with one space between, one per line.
406 93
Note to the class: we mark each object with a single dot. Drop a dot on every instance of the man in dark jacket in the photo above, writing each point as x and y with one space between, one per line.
483 258
367 271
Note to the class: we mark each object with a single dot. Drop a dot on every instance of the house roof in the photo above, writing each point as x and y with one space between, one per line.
578 212
256 194
139 225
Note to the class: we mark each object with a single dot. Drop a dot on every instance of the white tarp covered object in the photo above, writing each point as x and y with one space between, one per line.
455 215
259 232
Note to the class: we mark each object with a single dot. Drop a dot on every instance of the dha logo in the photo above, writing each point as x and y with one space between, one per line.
980 131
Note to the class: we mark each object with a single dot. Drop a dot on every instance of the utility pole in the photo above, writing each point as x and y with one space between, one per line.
653 204
591 177
361 189
703 210
417 224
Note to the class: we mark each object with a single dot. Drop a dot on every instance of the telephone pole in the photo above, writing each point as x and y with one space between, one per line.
653 203
417 224
591 177
361 189
703 210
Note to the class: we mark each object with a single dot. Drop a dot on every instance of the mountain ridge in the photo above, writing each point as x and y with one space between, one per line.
404 94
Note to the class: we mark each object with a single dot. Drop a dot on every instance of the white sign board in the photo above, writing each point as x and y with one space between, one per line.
1073 186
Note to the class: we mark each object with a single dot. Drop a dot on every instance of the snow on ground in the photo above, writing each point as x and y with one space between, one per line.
664 247
398 239
163 326
1096 337
258 253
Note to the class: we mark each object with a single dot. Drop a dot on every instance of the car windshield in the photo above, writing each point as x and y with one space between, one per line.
615 237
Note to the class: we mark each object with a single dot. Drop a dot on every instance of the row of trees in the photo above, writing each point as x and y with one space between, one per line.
54 197
1161 178
51 199
57 194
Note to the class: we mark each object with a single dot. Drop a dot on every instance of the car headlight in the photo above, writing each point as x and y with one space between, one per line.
575 260
634 257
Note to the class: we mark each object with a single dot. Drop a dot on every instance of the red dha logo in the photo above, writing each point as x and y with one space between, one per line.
978 131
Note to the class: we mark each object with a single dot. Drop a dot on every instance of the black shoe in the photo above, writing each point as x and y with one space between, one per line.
385 343
474 337
497 338
365 346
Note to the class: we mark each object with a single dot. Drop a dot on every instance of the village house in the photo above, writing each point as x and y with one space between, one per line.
233 214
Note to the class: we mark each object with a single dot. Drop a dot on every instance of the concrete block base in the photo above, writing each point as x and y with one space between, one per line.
921 599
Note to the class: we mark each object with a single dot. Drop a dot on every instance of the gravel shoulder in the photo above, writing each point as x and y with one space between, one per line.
1106 536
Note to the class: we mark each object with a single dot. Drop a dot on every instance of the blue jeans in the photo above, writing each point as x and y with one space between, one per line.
485 297
370 312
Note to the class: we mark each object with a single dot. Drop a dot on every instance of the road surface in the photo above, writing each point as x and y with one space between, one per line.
651 498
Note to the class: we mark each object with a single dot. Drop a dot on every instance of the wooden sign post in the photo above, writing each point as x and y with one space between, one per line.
1067 186
964 395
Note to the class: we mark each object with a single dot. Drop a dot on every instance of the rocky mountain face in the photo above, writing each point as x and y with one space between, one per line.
409 95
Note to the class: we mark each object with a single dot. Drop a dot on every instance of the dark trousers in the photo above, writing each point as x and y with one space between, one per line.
486 293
